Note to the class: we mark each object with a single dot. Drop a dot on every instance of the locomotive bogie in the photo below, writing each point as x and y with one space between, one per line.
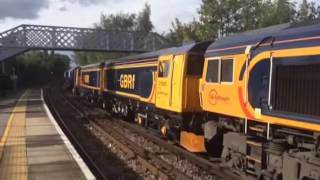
300 165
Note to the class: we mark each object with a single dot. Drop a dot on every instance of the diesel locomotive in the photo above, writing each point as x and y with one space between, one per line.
252 99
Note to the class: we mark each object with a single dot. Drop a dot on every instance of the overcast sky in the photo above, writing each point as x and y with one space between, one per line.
84 13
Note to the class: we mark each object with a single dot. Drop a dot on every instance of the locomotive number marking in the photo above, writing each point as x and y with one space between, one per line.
127 81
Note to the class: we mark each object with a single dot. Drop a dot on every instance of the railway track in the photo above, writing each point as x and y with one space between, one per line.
56 112
149 161
108 133
166 162
210 165
103 163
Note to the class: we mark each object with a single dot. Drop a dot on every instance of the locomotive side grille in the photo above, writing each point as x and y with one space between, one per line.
297 89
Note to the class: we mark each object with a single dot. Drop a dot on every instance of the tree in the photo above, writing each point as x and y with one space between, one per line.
251 13
219 18
139 22
183 32
143 21
284 11
117 22
307 11
38 67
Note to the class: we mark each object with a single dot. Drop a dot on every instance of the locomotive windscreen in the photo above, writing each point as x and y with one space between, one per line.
297 87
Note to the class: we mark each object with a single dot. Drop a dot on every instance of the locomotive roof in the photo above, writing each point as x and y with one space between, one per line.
186 48
72 69
237 43
92 65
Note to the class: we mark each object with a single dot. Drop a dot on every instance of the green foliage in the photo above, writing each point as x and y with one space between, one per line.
127 21
219 18
307 11
231 16
39 67
283 12
143 21
119 22
180 32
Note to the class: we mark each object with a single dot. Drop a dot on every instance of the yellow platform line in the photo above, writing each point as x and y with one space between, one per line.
13 162
7 129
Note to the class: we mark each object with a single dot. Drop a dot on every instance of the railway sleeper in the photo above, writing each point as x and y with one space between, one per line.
158 167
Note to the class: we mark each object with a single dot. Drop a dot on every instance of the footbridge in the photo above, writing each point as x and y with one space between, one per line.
36 37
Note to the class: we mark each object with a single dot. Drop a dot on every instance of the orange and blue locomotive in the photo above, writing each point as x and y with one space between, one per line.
252 99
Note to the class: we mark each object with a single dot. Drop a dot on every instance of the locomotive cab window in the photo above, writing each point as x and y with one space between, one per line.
213 71
90 78
227 70
220 71
164 68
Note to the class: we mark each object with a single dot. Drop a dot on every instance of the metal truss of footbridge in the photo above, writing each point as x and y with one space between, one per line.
36 37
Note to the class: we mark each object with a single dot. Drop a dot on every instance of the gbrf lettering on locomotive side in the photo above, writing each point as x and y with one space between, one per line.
127 81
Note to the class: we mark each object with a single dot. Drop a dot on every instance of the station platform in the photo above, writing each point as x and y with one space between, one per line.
32 145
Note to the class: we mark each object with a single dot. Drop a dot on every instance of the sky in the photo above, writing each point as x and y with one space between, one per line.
84 13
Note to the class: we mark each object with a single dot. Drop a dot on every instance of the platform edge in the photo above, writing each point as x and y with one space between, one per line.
84 168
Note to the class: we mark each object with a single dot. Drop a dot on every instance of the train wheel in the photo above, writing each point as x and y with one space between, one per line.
124 110
168 131
164 131
139 119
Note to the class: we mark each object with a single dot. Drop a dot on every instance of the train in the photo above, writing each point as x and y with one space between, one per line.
251 99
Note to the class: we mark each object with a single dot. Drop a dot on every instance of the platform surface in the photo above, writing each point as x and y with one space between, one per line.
31 146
